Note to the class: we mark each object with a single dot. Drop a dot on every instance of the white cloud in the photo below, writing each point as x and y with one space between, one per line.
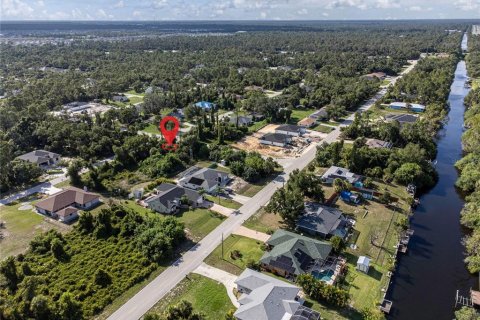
263 14
119 4
41 3
157 4
137 14
16 9
325 14
467 5
387 4
302 11
103 15
415 8
339 4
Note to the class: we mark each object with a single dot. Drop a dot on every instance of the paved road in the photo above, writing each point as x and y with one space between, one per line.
146 298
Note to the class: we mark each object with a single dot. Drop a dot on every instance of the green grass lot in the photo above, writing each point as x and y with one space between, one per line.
212 165
21 226
207 296
136 93
385 82
134 100
250 249
63 184
229 203
198 222
251 189
323 128
152 129
332 123
263 221
299 114
257 126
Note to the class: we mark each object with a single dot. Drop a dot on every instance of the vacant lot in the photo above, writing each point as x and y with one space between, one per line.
200 222
229 203
206 296
21 226
249 250
264 222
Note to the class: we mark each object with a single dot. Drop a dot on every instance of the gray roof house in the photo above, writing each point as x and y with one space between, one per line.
266 298
376 143
168 197
276 139
335 172
290 129
292 254
402 118
204 178
323 221
120 98
243 121
41 158
320 114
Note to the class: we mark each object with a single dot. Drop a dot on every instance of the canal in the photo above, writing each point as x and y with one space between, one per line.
428 276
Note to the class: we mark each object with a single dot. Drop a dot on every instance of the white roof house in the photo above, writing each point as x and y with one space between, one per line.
363 264
266 298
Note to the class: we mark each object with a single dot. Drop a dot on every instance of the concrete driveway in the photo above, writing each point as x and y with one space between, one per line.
219 275
221 209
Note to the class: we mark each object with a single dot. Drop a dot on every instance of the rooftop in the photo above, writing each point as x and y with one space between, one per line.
38 156
289 128
276 137
323 219
66 198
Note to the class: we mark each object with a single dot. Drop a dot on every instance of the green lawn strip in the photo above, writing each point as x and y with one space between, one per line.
21 226
252 188
152 129
200 222
135 93
249 249
134 100
63 184
299 114
475 83
257 126
229 203
323 128
264 222
212 165
207 296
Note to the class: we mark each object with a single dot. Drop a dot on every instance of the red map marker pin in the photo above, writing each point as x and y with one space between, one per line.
169 135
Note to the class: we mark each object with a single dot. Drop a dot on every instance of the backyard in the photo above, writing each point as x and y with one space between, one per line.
249 250
206 296
21 225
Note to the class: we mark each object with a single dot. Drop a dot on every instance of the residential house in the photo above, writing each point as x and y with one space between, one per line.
205 105
290 129
65 204
306 122
243 121
376 143
257 116
291 254
402 118
415 107
266 298
41 158
168 197
335 172
120 98
253 88
207 179
320 115
376 75
276 139
319 220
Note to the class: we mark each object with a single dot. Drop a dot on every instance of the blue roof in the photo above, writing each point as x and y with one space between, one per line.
204 105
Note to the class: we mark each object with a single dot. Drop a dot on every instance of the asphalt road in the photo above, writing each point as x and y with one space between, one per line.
146 298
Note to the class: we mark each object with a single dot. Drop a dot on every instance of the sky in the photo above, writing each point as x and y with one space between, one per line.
237 9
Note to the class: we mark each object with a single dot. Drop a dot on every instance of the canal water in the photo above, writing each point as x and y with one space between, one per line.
428 276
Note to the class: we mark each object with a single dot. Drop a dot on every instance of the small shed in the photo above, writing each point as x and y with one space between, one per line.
363 264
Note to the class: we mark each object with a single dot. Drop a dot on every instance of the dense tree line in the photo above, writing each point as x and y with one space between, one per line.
468 166
322 292
63 277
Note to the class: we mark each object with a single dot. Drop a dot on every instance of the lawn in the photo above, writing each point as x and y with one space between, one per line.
152 129
257 126
475 83
200 222
249 249
252 188
21 226
264 222
323 128
134 100
206 296
136 93
299 114
212 165
229 203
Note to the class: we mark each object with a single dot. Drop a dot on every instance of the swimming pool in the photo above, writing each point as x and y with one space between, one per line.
325 275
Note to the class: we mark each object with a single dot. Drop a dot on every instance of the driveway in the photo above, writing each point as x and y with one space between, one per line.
219 275
221 209
253 234
240 199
